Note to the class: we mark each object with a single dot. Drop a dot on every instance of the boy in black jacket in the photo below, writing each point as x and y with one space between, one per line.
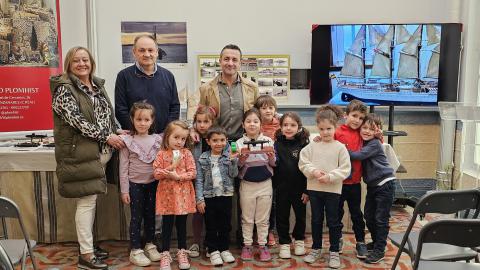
379 177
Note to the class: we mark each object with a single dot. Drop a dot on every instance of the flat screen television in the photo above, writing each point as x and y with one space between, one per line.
385 64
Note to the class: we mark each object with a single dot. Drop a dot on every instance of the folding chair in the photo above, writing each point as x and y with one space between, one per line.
457 232
5 263
442 202
16 249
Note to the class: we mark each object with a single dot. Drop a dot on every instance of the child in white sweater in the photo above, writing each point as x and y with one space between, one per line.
325 164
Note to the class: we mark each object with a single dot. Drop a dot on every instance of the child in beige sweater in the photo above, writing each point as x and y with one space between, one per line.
325 164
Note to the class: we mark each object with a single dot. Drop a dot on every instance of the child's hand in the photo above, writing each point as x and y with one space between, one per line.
194 135
173 175
317 138
162 173
125 198
234 155
201 207
378 134
305 198
324 179
271 155
243 157
318 173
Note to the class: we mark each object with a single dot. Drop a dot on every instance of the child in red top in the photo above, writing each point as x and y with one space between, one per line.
349 134
267 106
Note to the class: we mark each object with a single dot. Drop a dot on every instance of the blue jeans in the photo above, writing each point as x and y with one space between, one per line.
325 202
377 213
142 208
352 194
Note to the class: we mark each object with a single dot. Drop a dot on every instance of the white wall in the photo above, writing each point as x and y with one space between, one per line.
73 25
258 27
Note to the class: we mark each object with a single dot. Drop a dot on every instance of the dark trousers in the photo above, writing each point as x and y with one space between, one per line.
377 213
218 216
352 194
142 208
180 222
284 201
325 202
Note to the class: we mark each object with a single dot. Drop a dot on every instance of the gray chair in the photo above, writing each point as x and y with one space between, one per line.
443 202
5 263
457 232
16 249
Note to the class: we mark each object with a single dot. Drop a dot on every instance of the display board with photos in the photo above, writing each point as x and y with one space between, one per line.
270 72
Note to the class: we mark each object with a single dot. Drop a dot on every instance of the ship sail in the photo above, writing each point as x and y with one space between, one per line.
381 61
375 35
401 34
433 64
433 35
408 63
353 65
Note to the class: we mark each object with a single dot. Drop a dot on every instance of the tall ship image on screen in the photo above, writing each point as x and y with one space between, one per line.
385 64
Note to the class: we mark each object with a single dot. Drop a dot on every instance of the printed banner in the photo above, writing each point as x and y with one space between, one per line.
30 52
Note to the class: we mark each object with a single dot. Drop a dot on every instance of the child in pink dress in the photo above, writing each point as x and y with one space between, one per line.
174 167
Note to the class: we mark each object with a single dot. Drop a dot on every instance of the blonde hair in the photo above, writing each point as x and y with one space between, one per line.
69 59
169 130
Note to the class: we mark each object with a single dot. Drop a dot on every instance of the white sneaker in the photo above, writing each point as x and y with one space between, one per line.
299 247
313 256
194 251
216 259
227 256
334 261
138 258
152 253
284 252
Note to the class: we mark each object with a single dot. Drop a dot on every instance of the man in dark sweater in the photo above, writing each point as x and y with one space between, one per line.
145 80
379 177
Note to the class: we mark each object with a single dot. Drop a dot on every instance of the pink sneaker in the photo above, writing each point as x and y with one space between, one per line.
264 254
247 254
271 239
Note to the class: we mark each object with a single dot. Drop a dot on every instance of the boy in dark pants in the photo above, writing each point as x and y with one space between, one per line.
379 177
216 170
349 135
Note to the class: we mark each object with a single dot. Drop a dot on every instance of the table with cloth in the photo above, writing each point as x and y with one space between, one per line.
27 176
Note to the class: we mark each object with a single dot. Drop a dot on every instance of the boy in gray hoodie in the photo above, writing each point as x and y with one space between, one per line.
379 177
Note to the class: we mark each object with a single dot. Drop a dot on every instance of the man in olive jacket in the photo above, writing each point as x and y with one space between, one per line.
229 94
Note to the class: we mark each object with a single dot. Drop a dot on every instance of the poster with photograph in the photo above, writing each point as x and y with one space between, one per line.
270 72
29 45
171 39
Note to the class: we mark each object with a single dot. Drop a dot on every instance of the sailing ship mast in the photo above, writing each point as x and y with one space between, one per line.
408 66
354 65
382 61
